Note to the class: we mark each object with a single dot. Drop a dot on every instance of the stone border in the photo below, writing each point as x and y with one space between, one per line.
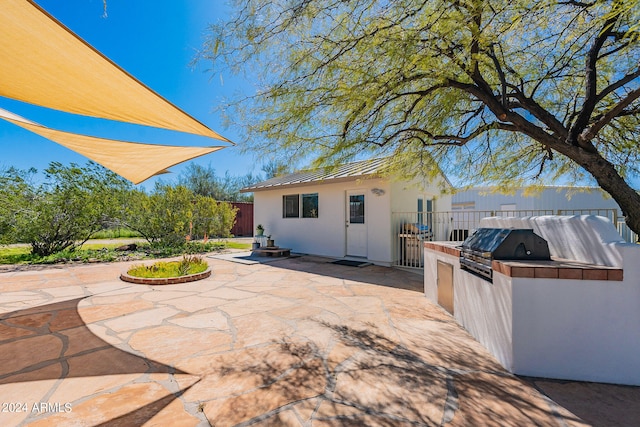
165 280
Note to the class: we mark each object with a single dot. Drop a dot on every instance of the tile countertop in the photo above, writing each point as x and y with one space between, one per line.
554 269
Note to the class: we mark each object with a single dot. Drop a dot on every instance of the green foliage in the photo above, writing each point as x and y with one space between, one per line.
273 168
74 203
169 214
106 253
23 255
211 218
88 253
187 265
15 195
503 91
161 250
64 211
163 216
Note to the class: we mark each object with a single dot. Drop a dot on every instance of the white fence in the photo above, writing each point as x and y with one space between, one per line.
413 228
626 232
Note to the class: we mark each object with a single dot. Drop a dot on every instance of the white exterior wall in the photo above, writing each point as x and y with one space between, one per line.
326 235
378 219
404 198
554 198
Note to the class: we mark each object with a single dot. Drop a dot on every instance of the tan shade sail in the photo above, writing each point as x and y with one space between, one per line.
133 161
44 63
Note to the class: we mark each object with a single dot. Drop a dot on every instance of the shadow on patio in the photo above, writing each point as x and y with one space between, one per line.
371 274
364 378
48 352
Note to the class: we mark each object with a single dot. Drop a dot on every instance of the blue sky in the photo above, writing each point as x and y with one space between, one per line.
156 42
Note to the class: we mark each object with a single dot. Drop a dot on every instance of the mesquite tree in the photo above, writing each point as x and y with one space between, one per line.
488 91
62 211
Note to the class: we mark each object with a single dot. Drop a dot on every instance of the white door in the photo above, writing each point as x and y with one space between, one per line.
356 224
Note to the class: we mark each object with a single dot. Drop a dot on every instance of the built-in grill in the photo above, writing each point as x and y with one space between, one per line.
487 244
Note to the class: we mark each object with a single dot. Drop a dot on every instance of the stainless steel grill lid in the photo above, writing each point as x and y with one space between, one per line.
479 250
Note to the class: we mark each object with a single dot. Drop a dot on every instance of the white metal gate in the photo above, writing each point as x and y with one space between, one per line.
412 229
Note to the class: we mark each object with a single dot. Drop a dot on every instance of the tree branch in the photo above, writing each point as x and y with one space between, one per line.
541 114
616 85
590 99
593 130
576 3
503 79
456 140
612 51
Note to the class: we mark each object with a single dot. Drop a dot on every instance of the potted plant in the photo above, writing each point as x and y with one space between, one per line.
270 242
255 245
259 230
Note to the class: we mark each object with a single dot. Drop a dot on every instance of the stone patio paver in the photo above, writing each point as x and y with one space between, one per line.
295 342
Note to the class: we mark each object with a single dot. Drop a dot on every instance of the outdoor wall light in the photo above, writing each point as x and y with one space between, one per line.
377 191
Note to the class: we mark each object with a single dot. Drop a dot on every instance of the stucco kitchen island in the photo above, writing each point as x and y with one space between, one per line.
563 319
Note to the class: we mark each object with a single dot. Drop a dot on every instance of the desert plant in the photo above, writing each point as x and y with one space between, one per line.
162 216
162 269
71 204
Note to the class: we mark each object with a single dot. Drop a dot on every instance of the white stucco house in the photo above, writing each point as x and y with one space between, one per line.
344 212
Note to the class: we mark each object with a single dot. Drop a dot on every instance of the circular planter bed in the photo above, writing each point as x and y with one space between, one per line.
189 269
166 280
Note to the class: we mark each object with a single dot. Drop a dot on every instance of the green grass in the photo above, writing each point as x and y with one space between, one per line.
89 252
15 255
101 252
188 265
238 245
115 233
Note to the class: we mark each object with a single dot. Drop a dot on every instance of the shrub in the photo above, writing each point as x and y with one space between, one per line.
163 216
169 214
64 211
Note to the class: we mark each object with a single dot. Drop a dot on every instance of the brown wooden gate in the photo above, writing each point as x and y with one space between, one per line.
244 219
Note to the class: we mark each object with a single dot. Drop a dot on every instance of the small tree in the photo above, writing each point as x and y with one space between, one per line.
64 211
167 215
204 181
16 194
163 216
212 218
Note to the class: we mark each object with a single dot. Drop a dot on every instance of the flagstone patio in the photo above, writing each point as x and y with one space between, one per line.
297 342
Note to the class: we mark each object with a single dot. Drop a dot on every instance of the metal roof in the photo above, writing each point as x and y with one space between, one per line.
349 171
